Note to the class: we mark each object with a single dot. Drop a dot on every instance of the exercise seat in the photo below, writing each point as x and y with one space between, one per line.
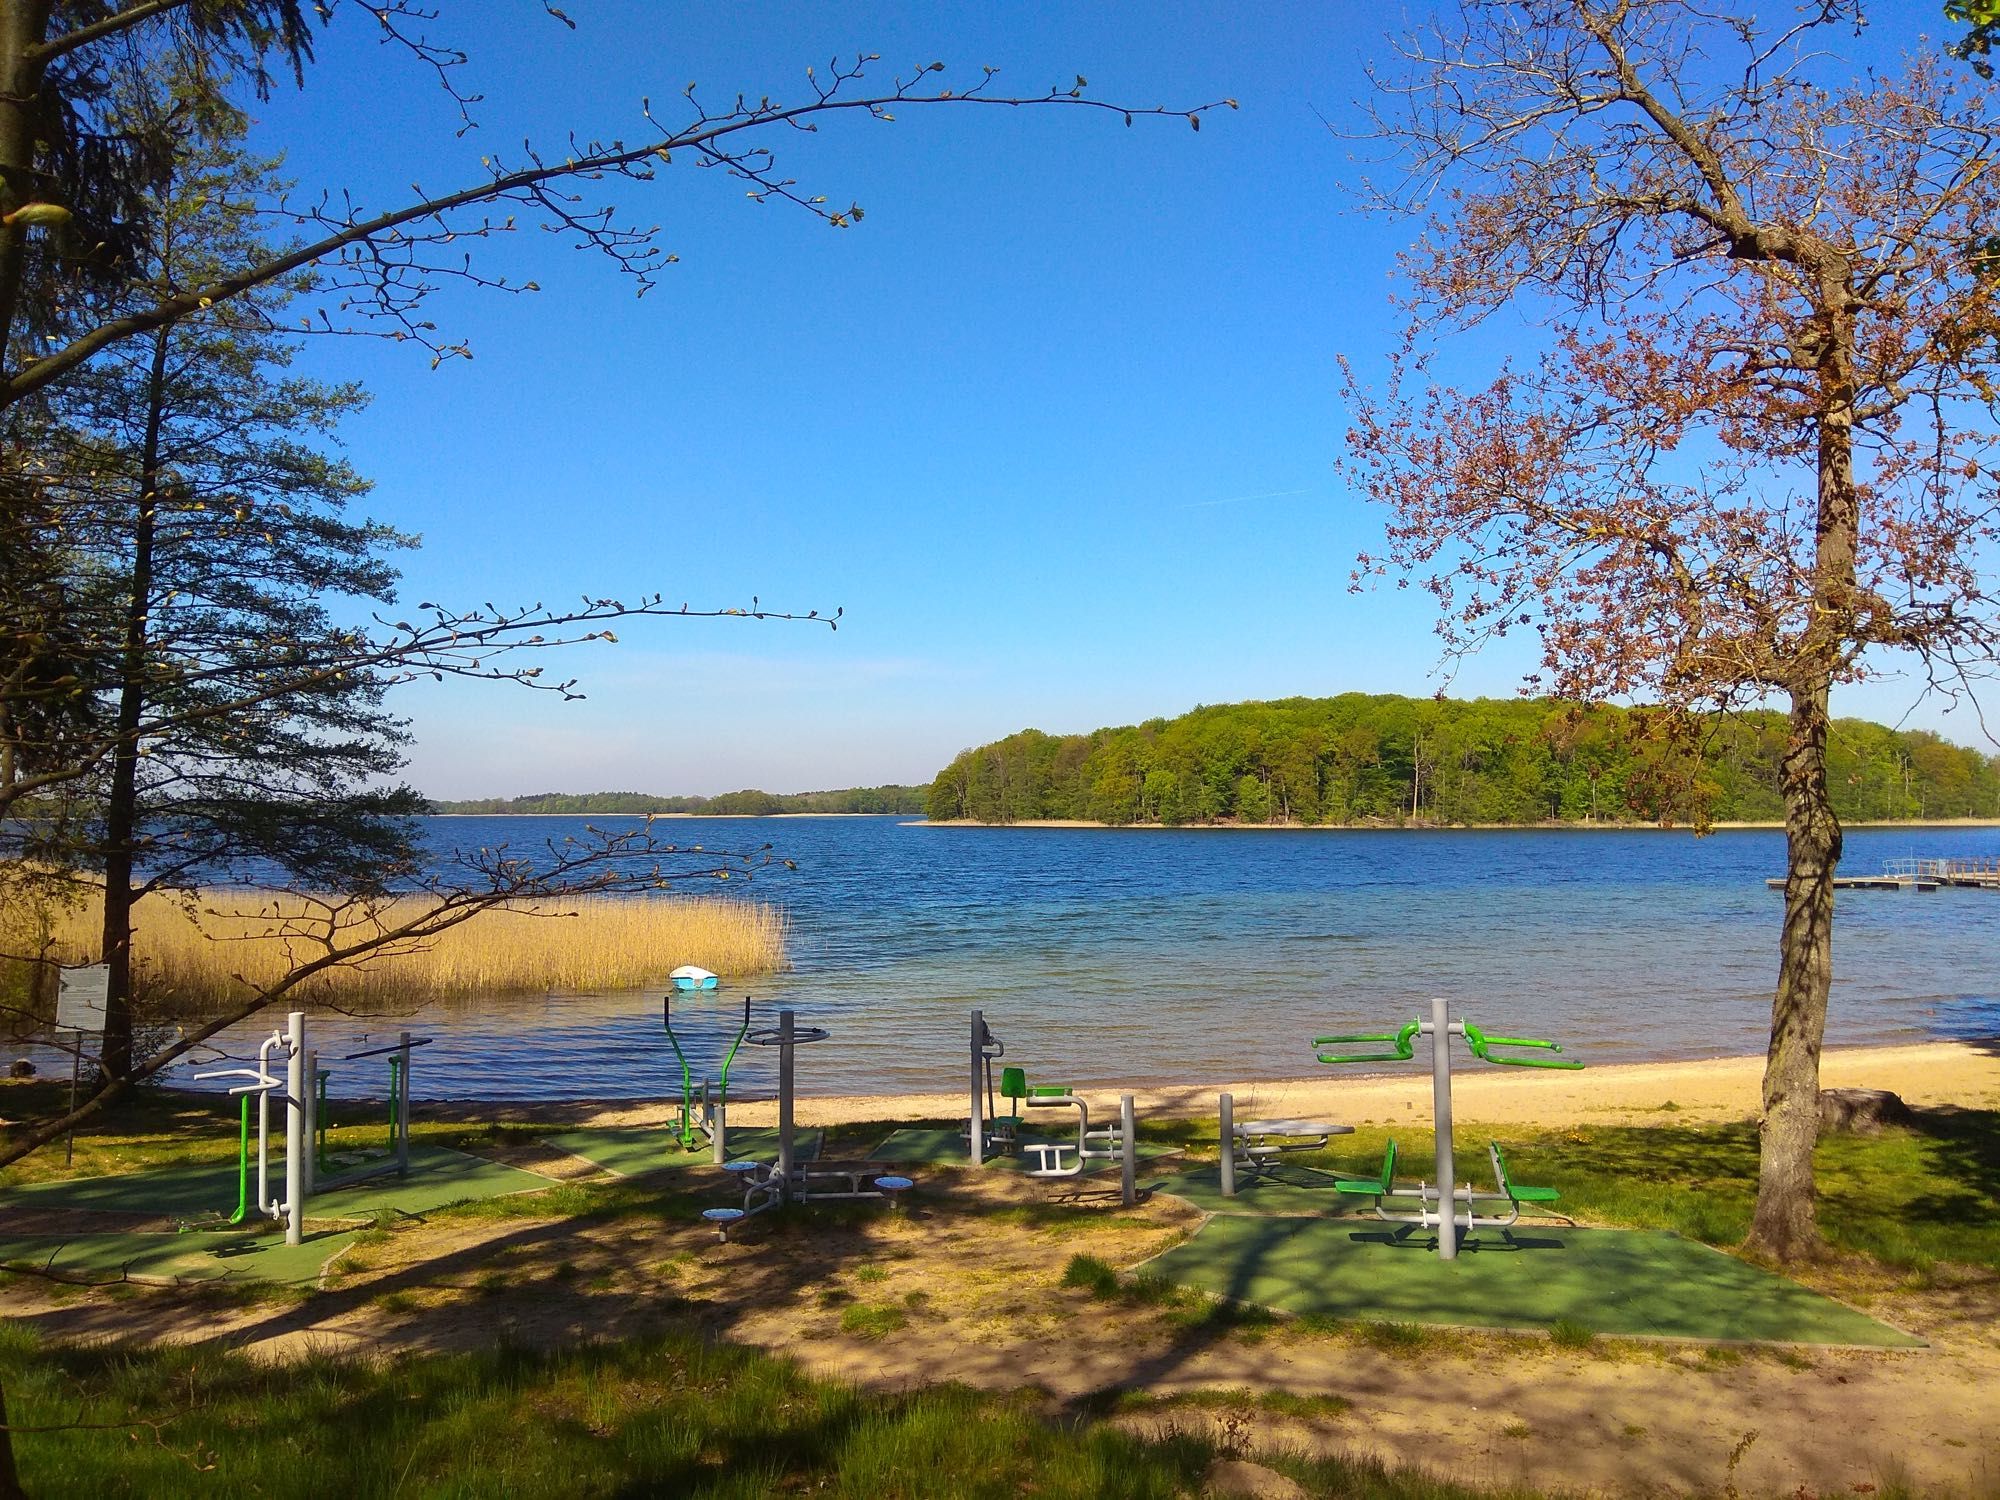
1516 1193
1369 1187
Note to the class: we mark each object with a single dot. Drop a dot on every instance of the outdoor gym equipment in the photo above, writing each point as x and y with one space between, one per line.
300 1102
706 1114
767 1185
290 1211
323 1174
987 1130
1446 1195
1259 1145
1506 1190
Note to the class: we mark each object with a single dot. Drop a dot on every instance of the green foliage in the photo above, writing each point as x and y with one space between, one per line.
1362 759
1567 1333
749 803
659 1416
1092 1274
866 1321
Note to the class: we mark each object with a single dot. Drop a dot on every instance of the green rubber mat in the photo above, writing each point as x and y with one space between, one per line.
438 1175
630 1150
945 1146
1287 1189
1645 1283
177 1257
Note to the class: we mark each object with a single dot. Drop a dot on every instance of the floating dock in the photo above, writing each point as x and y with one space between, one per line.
1979 873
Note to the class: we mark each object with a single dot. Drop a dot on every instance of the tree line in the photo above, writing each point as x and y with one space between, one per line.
749 802
1361 759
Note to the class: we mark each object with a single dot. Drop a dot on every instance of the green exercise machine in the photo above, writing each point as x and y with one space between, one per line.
1437 1205
333 1168
994 1128
703 1116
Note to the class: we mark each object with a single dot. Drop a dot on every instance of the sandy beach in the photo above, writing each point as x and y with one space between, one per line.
1722 1088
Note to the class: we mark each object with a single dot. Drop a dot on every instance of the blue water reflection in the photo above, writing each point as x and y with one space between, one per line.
1151 956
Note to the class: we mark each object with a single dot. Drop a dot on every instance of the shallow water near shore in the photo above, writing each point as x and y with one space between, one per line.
1151 957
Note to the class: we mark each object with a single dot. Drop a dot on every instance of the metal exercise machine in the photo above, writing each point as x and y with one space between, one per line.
1438 1204
326 1169
704 1113
304 1106
989 1132
1254 1147
767 1185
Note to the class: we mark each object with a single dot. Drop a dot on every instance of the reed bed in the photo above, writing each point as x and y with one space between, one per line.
186 960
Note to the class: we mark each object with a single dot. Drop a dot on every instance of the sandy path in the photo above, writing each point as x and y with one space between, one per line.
1722 1088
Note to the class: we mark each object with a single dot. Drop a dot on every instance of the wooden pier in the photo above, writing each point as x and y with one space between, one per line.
1980 873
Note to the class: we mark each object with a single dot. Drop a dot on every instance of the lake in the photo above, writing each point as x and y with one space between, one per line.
1149 956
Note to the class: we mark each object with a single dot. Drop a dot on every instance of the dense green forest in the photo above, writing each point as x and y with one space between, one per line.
1362 759
752 803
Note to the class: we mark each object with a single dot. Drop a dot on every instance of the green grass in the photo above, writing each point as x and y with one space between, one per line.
866 1321
670 1416
1566 1333
1909 1198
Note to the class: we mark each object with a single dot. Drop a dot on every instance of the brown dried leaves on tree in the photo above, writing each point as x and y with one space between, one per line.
1750 451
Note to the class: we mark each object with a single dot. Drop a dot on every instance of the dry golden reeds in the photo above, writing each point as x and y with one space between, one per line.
185 962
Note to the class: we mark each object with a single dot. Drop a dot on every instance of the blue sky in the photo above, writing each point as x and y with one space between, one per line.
1056 425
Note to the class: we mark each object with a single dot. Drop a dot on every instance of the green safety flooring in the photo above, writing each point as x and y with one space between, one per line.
630 1150
1645 1283
438 1175
945 1146
1287 1189
177 1257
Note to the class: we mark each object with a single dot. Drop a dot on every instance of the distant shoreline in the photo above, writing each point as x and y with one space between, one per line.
705 817
1598 827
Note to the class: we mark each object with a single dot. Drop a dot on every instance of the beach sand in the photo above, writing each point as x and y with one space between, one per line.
1712 1089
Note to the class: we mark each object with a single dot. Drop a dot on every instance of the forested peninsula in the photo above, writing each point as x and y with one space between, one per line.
1359 759
748 803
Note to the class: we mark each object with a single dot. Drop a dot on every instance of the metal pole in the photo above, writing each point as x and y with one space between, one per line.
720 1135
1228 1146
1128 1134
310 1166
402 1106
976 1121
295 1135
785 1106
75 1074
264 1130
1440 1030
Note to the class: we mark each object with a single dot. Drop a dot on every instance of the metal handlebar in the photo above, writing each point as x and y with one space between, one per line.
423 1041
771 1036
263 1085
1481 1045
1405 1040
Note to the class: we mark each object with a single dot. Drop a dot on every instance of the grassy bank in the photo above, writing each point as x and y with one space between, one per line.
188 961
659 1416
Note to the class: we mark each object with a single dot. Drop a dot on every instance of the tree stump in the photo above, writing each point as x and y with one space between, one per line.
1861 1111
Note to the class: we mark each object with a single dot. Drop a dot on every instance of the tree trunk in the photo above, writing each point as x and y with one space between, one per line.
121 818
23 26
1786 1223
10 1478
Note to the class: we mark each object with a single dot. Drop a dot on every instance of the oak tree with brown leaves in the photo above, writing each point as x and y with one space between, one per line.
1750 454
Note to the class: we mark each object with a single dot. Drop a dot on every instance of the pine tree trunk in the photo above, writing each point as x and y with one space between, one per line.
121 801
1786 1223
23 25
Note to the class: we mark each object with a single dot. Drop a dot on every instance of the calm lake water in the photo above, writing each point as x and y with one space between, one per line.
1148 956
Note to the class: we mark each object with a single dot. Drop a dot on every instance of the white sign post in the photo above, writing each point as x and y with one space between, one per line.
80 1002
